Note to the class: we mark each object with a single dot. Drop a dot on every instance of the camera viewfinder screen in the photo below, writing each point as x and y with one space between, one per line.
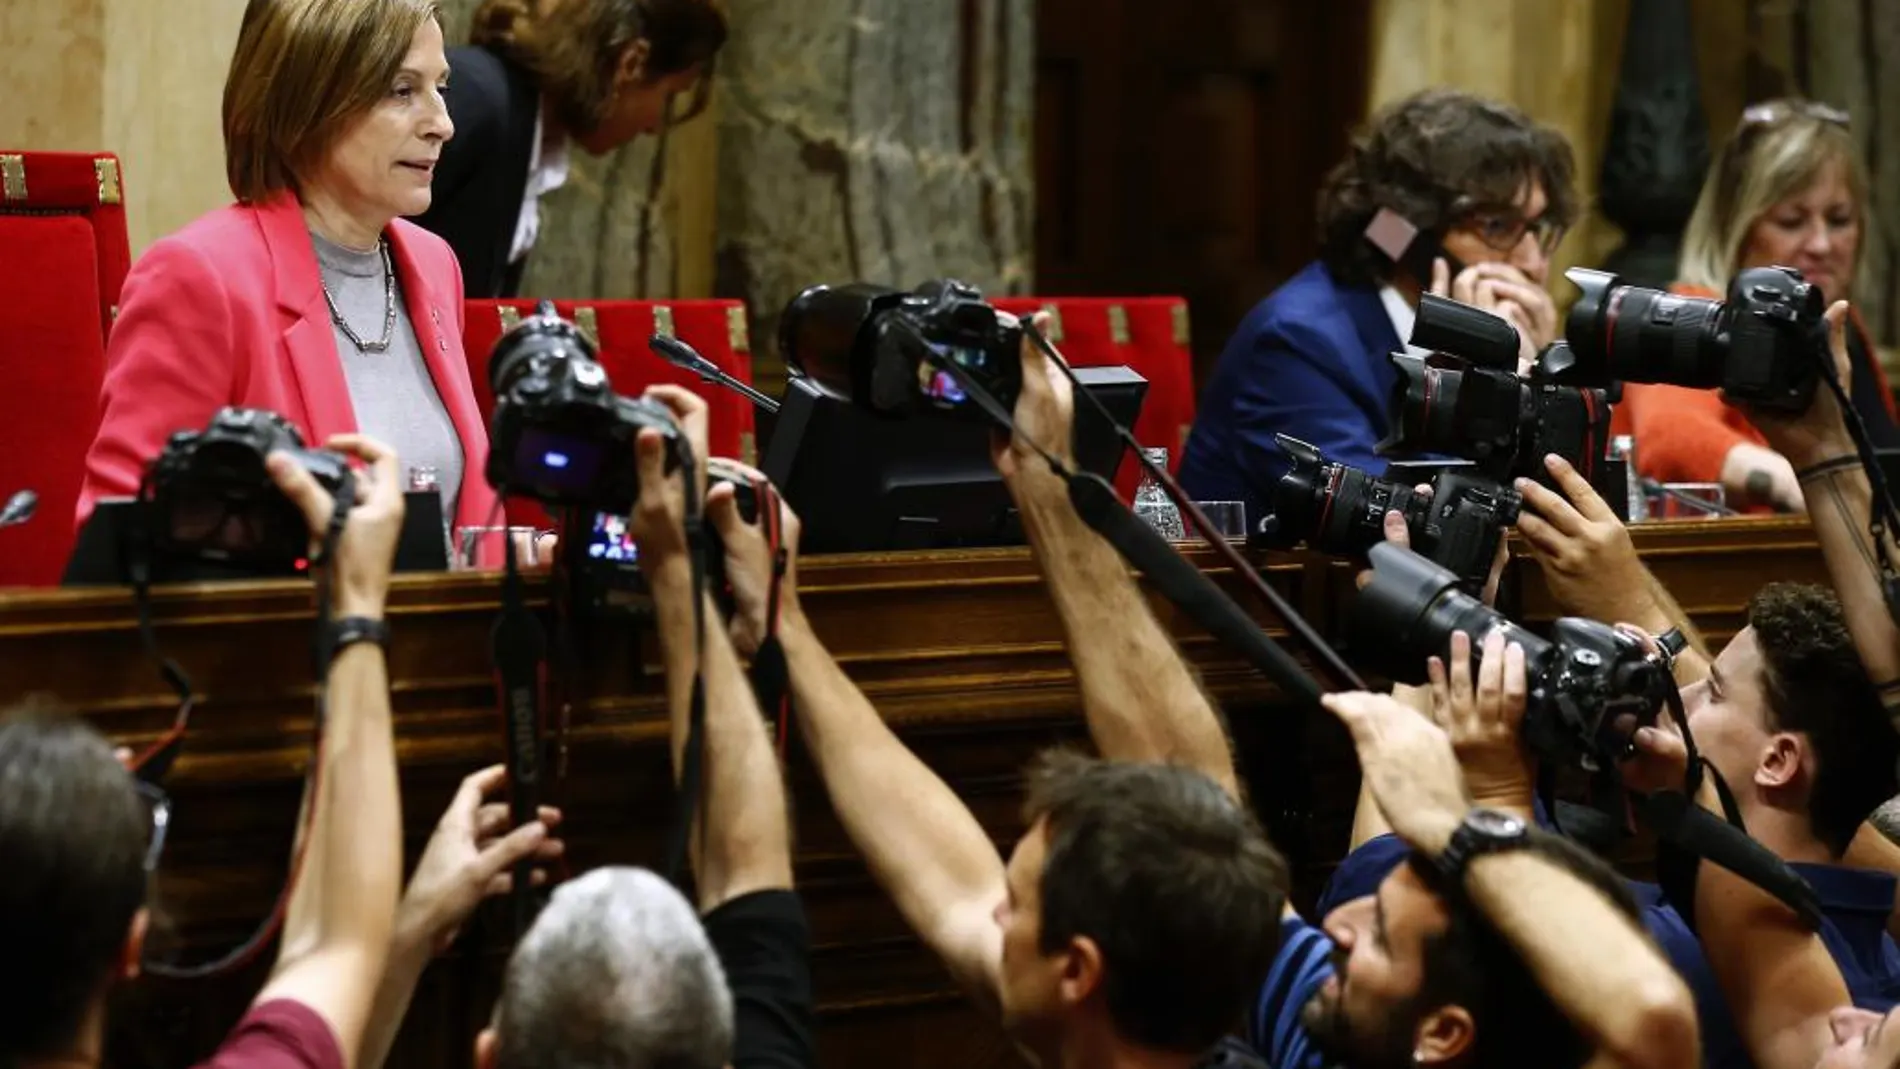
556 461
939 385
612 540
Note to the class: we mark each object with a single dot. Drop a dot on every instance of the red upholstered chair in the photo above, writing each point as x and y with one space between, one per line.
1148 334
63 258
620 329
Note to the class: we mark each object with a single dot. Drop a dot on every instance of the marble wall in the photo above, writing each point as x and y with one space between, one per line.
141 78
886 140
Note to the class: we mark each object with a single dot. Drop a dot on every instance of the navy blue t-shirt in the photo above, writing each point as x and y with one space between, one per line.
1855 904
1274 1028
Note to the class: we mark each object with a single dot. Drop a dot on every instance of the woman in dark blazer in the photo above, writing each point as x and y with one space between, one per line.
538 76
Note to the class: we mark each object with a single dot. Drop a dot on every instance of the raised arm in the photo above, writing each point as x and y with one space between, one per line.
922 844
342 910
1596 964
741 841
1839 504
1591 567
1141 700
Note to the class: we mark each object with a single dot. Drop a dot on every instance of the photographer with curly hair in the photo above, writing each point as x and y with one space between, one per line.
537 76
1490 194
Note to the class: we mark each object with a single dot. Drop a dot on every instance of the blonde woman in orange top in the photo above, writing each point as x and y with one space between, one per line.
1788 189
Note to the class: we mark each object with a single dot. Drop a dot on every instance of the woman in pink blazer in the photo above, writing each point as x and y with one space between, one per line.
309 296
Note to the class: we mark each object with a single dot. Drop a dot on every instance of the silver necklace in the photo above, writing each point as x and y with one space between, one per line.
389 307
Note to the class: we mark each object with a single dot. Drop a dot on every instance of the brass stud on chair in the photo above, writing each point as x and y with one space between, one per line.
13 177
510 317
1054 333
663 321
1117 324
589 324
738 335
1179 313
106 170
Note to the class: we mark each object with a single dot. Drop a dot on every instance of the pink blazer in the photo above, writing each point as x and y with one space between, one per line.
230 311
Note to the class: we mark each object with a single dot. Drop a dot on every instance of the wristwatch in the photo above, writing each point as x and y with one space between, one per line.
350 630
1672 642
1483 831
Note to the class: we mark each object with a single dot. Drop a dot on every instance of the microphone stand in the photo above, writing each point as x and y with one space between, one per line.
686 358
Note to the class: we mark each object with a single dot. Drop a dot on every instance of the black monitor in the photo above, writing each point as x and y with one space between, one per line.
862 482
103 553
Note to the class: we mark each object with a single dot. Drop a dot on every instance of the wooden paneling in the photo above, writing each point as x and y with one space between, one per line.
1179 150
961 652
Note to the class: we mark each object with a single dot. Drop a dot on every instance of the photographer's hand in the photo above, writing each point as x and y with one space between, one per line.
1486 725
366 551
1408 764
658 522
468 859
1044 415
750 564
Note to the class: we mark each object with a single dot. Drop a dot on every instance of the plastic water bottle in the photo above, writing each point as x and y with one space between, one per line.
1152 503
1623 447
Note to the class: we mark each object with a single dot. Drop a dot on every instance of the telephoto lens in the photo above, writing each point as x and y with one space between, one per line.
1590 685
1339 510
1763 346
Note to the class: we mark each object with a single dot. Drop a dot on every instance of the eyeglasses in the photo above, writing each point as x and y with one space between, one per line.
158 806
1773 112
1502 229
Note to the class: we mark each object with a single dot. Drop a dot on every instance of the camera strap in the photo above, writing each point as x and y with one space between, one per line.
1178 580
1687 835
519 646
152 765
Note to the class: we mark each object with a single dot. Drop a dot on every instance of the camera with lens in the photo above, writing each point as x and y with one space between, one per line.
559 433
1340 510
1590 685
208 496
885 349
1478 408
605 560
1762 346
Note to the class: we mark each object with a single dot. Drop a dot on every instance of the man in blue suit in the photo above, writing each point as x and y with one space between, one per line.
1489 193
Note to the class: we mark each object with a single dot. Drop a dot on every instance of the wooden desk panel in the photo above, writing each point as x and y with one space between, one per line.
960 651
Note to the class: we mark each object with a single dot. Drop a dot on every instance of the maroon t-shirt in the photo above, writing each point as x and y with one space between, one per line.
280 1034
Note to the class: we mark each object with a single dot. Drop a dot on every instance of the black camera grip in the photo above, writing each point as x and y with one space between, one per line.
1185 586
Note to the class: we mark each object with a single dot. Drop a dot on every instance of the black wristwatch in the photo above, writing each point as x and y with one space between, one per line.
349 630
1483 831
1672 642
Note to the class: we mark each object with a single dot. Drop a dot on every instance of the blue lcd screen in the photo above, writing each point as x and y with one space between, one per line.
556 461
612 540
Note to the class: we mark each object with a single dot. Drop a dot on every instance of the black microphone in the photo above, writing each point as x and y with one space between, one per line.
683 356
19 508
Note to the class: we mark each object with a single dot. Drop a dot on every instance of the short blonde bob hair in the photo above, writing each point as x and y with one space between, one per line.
1781 148
302 72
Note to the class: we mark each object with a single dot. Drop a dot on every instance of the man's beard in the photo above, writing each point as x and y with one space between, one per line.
1384 1044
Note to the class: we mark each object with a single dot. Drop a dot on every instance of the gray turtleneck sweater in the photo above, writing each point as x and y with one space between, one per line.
394 396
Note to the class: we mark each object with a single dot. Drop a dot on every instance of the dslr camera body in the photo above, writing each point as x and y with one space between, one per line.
1762 346
207 495
1590 685
1340 511
559 433
885 349
1469 401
